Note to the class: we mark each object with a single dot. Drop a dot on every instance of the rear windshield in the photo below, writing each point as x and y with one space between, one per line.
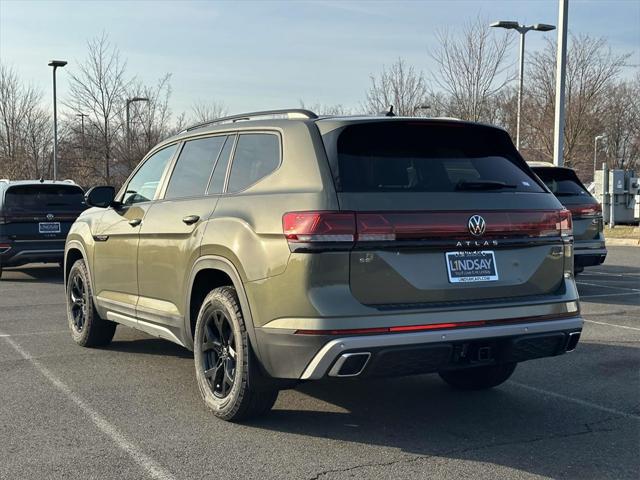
30 198
427 157
561 181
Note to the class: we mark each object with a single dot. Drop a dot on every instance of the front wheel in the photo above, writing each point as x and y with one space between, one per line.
87 328
478 378
226 369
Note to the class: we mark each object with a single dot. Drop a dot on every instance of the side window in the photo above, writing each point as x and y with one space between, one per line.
143 185
193 168
256 156
220 171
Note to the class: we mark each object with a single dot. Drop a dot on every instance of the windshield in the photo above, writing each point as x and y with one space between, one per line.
48 197
561 181
428 157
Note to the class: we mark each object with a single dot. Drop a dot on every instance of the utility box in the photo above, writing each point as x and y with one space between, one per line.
623 191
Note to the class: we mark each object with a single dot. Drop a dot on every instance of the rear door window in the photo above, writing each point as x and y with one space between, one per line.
37 198
561 181
423 157
193 169
256 156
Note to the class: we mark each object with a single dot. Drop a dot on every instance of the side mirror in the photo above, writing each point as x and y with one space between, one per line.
101 197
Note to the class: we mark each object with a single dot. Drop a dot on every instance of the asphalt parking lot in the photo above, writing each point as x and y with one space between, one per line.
133 410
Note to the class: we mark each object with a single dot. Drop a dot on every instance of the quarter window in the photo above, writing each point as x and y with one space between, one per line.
144 184
191 173
256 156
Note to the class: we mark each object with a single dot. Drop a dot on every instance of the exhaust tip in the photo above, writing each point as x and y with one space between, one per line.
572 341
350 364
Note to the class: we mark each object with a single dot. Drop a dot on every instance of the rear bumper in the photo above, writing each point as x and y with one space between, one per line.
21 253
310 357
589 255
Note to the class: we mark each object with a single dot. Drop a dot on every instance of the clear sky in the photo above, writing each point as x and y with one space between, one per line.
261 54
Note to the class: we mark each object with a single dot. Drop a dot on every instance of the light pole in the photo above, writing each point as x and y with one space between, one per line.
82 115
129 102
561 77
55 64
595 153
522 30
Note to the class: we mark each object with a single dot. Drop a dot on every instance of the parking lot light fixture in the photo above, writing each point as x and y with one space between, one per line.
55 64
522 30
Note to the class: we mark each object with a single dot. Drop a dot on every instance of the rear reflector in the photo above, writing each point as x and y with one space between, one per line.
345 228
588 210
436 326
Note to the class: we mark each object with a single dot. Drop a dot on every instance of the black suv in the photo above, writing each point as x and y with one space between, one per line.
35 217
588 226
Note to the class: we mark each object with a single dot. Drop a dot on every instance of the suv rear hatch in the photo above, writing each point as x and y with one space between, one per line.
40 211
445 212
585 210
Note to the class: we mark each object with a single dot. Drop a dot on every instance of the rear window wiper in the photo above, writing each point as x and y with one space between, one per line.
483 185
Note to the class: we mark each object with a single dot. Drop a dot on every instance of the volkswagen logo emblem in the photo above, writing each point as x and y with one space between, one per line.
50 216
477 225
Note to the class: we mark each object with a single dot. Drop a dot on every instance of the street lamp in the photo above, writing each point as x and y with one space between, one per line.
55 64
595 153
421 107
129 102
522 30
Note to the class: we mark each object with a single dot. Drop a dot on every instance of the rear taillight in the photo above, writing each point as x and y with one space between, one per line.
588 210
565 224
4 247
319 227
2 220
342 230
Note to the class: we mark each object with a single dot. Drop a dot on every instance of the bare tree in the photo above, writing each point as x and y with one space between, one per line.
97 89
592 70
324 109
204 111
621 124
25 132
471 69
399 85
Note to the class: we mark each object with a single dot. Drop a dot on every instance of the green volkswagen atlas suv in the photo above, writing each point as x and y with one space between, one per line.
284 247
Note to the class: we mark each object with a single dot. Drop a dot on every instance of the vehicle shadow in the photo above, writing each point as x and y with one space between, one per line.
149 346
36 274
423 416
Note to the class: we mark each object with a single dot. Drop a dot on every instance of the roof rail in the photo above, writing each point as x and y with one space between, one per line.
290 113
4 180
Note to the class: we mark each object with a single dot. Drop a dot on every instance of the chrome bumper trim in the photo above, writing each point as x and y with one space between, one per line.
321 362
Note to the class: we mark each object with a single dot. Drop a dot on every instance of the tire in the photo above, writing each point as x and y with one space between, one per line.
478 378
87 328
227 371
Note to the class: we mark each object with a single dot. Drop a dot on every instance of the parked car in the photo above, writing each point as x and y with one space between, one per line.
35 217
284 247
588 225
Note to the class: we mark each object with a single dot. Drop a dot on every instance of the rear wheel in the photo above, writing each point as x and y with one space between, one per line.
478 378
226 369
87 328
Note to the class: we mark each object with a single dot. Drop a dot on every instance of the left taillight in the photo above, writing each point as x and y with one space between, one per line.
313 229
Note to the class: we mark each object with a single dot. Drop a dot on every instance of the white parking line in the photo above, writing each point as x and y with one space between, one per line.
607 286
150 466
578 401
609 295
613 325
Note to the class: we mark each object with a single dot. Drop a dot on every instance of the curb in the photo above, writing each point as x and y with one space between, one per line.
622 242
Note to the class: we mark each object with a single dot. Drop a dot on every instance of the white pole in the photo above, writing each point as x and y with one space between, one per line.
561 67
520 85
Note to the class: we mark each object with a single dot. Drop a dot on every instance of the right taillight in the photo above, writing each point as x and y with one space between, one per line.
565 224
588 210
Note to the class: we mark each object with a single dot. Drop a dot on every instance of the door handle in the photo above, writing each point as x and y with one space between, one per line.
191 219
135 222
